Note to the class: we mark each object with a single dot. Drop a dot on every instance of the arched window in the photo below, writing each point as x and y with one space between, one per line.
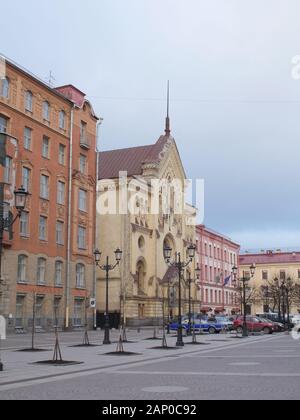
22 268
41 271
140 271
46 111
58 273
5 88
80 276
62 120
28 100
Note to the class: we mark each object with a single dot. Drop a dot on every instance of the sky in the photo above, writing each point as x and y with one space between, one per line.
235 106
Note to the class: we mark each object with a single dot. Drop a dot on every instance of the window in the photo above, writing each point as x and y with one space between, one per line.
246 274
22 268
298 274
27 138
60 233
61 192
282 275
56 311
62 120
24 226
80 276
26 177
78 312
82 131
43 228
81 237
28 101
61 154
82 200
45 147
82 164
3 124
41 271
58 273
39 311
44 187
5 88
20 308
7 169
264 275
46 111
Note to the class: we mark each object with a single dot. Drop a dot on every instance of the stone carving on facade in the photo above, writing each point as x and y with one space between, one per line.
44 206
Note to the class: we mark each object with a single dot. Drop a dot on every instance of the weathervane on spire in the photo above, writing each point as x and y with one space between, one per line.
168 130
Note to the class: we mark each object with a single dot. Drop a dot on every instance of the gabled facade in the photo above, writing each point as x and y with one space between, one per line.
142 284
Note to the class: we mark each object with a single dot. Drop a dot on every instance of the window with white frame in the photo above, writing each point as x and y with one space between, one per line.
78 312
7 169
83 164
62 120
46 111
4 83
22 268
61 187
80 276
45 147
24 223
59 232
61 154
58 273
26 177
3 124
41 271
43 228
82 200
44 187
27 138
28 101
81 240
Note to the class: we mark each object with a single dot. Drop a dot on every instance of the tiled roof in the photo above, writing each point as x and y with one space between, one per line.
272 258
131 159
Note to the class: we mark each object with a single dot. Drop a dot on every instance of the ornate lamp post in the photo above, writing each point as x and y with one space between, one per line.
189 282
107 268
180 265
244 281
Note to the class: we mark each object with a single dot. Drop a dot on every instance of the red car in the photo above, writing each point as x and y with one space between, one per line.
254 324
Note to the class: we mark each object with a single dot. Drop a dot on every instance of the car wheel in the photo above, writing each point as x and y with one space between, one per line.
212 330
267 330
239 330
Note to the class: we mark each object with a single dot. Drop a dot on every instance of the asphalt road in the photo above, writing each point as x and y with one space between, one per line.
262 367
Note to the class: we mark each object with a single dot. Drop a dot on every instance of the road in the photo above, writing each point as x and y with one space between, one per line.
259 367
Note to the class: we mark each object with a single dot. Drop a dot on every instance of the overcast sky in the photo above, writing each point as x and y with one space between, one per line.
235 109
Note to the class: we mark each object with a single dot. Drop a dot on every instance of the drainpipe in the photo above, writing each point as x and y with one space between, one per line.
69 222
99 123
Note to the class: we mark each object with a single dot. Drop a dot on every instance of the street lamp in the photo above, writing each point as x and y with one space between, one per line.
107 268
180 265
244 280
6 222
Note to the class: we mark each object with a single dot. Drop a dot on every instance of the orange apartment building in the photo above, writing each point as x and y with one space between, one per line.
217 254
48 264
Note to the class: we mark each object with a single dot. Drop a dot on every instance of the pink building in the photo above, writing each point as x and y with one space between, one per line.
217 255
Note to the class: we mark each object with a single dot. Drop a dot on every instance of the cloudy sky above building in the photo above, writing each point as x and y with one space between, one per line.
235 107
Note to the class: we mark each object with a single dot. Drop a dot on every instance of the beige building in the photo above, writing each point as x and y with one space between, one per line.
270 265
143 281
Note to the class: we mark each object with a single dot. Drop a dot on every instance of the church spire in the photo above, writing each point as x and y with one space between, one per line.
168 130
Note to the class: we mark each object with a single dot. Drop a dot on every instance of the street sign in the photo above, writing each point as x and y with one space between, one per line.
93 303
2 328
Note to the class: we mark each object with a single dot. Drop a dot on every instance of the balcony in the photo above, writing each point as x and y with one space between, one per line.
85 142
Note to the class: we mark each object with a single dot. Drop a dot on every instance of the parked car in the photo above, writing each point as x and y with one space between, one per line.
254 324
225 321
278 326
203 325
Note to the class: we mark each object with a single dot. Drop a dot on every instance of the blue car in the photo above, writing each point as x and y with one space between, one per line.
204 325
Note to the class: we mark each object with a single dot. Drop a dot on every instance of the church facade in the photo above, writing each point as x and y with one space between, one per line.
141 209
